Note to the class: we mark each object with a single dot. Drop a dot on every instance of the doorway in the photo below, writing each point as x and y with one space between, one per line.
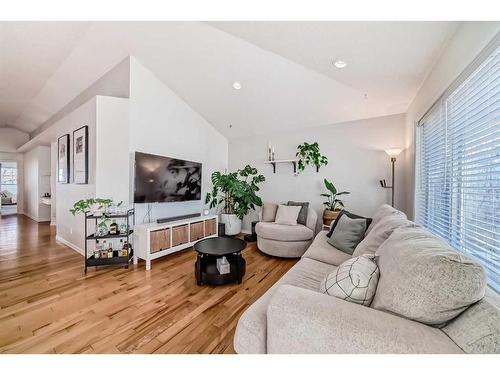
8 187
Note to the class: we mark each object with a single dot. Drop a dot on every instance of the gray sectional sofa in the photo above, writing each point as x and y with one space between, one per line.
462 313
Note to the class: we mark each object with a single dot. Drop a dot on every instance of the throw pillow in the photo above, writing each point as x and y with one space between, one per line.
351 216
302 218
347 233
355 280
424 279
383 211
287 215
381 232
269 212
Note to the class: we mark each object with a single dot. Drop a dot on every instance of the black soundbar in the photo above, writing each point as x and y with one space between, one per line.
175 218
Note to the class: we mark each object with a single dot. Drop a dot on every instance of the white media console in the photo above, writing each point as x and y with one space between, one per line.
154 240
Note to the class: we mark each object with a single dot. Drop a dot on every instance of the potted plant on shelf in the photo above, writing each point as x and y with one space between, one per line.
97 206
333 205
309 154
236 192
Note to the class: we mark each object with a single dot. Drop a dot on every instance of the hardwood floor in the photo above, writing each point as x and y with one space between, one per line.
47 305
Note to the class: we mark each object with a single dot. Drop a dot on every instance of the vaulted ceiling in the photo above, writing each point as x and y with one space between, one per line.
285 68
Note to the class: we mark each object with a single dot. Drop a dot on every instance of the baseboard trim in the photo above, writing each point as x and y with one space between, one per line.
246 231
30 216
69 244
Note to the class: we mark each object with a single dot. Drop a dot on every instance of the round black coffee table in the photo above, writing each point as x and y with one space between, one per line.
206 262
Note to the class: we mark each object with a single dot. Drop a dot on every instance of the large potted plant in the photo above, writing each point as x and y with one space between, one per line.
236 193
333 205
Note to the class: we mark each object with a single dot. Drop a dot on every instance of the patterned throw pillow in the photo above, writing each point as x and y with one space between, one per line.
355 280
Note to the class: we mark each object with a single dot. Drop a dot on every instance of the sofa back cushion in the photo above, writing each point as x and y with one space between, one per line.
477 329
382 211
347 233
287 215
302 218
381 232
423 279
269 212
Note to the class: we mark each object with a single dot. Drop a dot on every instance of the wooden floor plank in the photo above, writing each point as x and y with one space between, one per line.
48 305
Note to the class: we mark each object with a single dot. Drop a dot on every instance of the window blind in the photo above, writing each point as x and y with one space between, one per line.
457 193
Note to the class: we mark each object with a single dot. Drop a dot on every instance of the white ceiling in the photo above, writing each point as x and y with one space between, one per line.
285 68
30 52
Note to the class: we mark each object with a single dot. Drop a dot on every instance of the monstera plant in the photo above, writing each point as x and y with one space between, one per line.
236 193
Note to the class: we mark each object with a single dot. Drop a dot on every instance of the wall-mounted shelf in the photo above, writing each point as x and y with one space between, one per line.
274 162
293 161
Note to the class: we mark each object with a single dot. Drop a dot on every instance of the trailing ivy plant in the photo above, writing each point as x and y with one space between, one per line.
95 204
309 154
237 191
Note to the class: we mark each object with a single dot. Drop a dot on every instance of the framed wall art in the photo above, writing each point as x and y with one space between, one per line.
63 159
81 155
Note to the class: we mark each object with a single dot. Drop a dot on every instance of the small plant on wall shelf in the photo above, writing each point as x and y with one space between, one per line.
309 154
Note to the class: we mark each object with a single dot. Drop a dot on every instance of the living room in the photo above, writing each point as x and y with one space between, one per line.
250 186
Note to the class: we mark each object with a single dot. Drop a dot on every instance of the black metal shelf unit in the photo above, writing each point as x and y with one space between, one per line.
116 259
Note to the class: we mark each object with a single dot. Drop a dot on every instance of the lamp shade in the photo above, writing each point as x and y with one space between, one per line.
393 152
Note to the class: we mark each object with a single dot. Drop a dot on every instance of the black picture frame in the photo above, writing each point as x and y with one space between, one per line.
81 151
63 164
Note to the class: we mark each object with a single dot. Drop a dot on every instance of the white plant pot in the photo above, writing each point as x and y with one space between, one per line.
232 223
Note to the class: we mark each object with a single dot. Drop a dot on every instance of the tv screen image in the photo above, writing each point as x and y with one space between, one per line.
164 179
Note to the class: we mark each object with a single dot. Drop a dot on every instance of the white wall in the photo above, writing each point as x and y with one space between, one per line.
70 229
36 182
11 139
162 123
357 162
112 148
464 46
31 184
44 176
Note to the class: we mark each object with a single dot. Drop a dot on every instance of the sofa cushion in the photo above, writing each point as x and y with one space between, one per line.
423 279
251 332
381 232
285 233
302 218
355 280
287 215
382 211
477 329
347 233
322 251
269 212
349 215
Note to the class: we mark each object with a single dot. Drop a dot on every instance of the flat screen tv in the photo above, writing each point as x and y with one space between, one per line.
164 179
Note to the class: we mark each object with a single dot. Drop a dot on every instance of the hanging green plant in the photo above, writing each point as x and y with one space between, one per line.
309 154
95 205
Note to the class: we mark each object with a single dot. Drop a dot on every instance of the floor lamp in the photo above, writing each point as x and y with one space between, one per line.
392 152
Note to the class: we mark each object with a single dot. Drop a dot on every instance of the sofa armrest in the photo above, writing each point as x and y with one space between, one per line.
305 321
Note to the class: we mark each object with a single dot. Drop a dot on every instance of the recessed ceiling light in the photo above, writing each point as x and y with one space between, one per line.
339 64
236 85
